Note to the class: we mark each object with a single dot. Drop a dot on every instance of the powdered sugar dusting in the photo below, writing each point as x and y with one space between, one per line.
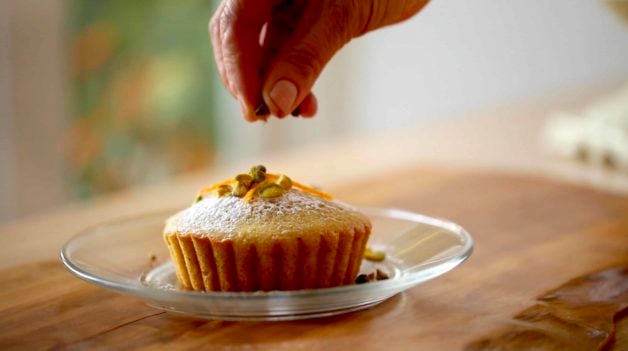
226 215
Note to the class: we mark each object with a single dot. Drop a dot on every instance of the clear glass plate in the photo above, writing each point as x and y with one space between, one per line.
130 257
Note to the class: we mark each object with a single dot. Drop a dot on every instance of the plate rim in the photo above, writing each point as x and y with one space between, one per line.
401 283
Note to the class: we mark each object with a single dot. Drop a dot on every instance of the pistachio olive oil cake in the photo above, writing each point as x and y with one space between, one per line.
262 231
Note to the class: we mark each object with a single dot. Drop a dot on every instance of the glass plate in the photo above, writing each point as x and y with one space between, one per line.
130 257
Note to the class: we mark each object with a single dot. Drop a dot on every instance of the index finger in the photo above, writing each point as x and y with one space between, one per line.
237 38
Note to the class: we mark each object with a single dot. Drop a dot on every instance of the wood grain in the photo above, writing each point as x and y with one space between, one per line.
531 235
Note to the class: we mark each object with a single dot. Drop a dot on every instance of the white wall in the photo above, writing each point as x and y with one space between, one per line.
455 55
462 54
33 105
7 144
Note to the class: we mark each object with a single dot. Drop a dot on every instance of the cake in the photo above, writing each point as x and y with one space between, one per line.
263 231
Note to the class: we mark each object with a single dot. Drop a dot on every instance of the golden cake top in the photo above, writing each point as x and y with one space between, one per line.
260 203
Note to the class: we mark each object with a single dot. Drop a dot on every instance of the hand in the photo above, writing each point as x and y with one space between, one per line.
269 53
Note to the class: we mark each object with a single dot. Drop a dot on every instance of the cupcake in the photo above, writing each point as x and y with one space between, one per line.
262 231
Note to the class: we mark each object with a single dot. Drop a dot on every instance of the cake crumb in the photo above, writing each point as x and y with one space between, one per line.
371 277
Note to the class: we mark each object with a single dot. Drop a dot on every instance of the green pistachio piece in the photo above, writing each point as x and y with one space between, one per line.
373 255
259 176
361 279
198 198
371 277
240 190
245 179
258 168
284 181
381 275
271 191
258 173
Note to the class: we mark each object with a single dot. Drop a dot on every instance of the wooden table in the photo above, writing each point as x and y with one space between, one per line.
531 233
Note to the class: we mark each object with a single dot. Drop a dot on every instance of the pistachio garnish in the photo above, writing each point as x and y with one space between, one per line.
223 190
381 275
372 255
198 198
371 277
258 168
258 173
245 179
257 182
284 181
271 190
240 189
361 279
259 177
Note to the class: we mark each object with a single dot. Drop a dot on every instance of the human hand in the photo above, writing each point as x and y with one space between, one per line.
269 53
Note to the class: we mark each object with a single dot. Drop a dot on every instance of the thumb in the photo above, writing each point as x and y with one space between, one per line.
322 31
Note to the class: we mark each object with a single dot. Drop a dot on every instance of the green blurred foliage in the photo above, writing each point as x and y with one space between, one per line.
143 76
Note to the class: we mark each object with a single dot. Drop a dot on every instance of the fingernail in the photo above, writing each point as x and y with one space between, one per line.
262 110
283 95
296 112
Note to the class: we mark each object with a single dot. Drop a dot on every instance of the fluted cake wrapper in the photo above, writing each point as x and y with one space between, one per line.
205 263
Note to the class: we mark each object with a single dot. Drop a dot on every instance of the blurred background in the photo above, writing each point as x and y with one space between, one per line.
100 96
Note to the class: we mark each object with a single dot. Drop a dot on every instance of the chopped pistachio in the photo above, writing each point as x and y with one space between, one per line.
381 275
259 176
285 182
271 190
373 255
361 279
240 190
371 277
258 173
258 168
245 179
198 198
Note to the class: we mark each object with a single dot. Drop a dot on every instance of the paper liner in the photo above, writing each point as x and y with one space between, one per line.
308 262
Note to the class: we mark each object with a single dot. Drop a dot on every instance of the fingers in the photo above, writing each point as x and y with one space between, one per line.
309 106
269 53
235 33
214 36
321 32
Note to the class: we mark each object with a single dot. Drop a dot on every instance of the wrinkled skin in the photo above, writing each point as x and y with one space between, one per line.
258 43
